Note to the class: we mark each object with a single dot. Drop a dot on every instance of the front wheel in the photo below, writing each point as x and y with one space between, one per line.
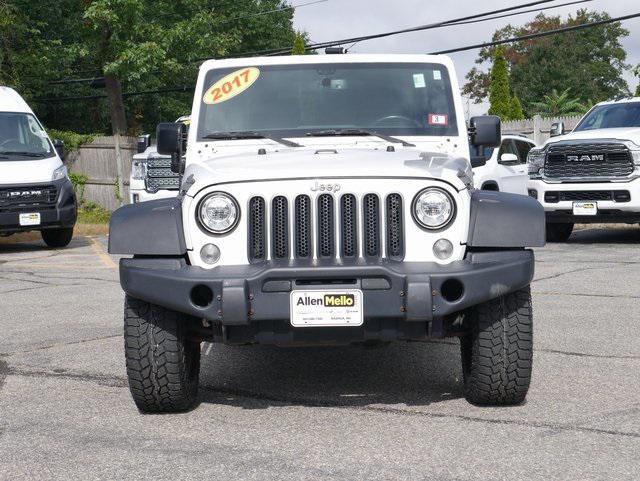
559 232
57 237
497 355
163 364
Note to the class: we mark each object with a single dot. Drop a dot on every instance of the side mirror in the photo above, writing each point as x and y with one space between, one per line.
59 146
509 159
144 141
171 141
557 129
484 132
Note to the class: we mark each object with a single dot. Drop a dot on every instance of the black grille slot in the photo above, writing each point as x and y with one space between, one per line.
280 227
586 160
303 227
587 195
160 176
395 231
371 219
257 241
349 223
326 226
20 199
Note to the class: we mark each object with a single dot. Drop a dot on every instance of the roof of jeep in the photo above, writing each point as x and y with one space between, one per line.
320 59
626 100
10 101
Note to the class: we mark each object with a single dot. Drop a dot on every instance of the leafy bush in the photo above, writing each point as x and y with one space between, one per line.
72 141
92 213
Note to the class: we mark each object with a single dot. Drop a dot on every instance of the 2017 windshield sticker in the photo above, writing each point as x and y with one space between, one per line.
231 85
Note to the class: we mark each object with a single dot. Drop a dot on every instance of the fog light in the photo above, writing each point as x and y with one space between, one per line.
443 249
210 253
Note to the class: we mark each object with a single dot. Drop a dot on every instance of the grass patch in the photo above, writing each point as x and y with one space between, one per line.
92 213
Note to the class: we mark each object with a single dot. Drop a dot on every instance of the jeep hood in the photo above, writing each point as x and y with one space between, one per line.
329 163
623 134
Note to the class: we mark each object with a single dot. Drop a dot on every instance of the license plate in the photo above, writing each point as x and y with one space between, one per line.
30 219
326 308
585 208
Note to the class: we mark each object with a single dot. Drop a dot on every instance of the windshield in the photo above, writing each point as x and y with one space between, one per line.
611 117
22 137
295 100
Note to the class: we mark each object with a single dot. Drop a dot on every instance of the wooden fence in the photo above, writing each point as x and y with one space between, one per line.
108 183
537 129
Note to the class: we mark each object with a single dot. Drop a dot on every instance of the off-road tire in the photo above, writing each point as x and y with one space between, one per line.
559 232
163 366
57 237
497 355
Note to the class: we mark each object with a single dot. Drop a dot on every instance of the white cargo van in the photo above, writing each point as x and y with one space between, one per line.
35 191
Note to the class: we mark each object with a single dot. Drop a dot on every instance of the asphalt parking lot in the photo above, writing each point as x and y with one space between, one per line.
333 413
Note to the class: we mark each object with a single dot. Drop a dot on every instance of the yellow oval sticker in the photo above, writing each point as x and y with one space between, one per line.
231 85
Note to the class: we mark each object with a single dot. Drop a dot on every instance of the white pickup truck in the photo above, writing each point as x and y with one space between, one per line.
327 200
590 175
506 167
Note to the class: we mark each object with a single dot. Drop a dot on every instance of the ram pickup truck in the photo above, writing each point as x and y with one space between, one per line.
590 175
327 200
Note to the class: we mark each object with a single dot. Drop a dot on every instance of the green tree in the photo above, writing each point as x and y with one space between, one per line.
298 45
129 46
499 95
558 105
590 62
516 109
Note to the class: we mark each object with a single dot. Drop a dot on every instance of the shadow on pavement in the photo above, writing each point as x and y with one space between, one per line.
603 234
258 377
33 243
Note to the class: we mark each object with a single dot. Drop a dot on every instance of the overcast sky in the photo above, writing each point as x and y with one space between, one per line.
337 19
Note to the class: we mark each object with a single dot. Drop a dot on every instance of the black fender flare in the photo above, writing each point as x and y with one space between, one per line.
503 220
149 228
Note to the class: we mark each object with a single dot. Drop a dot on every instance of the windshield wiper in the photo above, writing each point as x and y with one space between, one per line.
22 153
249 135
347 132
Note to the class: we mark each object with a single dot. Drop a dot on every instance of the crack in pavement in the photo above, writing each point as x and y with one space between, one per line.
575 294
555 276
59 344
121 382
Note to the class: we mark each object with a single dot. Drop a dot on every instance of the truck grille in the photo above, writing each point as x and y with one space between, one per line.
21 199
326 227
603 160
160 176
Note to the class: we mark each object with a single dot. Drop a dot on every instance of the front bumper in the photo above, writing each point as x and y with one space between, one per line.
609 211
406 292
62 214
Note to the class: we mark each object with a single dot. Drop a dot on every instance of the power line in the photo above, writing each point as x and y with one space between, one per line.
431 26
538 35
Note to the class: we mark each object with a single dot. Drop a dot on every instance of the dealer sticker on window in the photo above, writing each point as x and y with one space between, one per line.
326 308
30 219
231 85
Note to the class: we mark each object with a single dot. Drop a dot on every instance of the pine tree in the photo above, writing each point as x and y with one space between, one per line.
499 95
516 109
298 45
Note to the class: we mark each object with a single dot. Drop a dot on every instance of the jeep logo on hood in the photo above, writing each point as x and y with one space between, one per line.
326 187
586 158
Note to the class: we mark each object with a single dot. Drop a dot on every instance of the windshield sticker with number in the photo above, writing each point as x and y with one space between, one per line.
231 85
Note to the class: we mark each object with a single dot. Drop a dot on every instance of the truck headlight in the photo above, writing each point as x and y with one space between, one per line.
636 157
59 173
139 169
218 213
535 161
433 208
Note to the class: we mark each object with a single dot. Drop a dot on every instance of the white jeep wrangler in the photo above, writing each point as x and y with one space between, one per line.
591 175
327 200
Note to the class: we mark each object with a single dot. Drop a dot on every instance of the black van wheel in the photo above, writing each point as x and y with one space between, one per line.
57 237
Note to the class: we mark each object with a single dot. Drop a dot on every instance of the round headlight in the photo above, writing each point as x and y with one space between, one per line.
433 208
219 213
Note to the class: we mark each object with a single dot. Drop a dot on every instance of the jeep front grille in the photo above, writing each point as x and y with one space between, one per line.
160 176
28 198
325 227
580 160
